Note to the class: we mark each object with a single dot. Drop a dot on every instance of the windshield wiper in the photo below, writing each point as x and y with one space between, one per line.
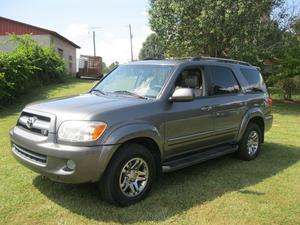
130 93
98 91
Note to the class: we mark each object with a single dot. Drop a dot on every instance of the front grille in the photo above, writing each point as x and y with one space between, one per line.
30 155
40 117
34 123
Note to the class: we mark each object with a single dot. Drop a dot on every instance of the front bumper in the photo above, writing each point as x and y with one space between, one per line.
48 158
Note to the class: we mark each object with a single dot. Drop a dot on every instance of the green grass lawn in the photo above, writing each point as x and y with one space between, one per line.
220 191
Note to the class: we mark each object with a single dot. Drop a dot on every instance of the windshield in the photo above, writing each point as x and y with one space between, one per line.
135 80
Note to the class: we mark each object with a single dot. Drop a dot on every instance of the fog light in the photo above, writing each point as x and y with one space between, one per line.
71 164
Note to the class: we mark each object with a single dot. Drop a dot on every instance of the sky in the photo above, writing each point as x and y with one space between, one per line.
75 19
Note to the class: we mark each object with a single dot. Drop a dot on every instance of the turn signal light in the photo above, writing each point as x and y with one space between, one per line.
98 131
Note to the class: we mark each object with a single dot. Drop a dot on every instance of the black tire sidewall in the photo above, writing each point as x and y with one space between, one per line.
126 153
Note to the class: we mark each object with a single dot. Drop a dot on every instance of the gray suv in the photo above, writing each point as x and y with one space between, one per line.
144 118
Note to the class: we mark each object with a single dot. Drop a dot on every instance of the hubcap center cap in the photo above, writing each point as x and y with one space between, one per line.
132 175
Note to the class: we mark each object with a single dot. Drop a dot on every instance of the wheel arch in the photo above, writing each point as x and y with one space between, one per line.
252 116
136 131
142 134
151 145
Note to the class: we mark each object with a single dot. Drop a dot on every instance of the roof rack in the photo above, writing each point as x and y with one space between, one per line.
220 60
151 58
180 58
203 58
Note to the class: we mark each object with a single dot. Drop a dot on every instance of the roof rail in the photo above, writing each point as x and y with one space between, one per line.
220 60
151 58
180 58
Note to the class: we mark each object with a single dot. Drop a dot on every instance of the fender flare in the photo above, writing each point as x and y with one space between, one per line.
127 132
251 113
124 133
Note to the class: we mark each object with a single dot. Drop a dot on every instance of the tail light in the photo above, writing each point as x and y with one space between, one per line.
270 101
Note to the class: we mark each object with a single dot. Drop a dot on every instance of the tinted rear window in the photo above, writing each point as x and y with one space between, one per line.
253 77
223 81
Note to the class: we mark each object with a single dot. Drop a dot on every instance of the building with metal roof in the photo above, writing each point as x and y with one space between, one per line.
45 37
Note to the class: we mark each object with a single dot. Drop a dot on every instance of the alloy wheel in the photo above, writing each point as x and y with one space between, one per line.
252 142
134 177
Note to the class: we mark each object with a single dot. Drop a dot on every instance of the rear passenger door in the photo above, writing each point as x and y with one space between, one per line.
229 106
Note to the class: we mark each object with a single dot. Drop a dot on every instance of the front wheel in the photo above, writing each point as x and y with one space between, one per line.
250 145
129 176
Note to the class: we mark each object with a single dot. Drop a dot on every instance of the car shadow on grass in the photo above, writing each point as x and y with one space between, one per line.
176 192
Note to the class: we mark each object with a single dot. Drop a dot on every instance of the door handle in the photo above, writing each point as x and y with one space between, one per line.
206 108
220 114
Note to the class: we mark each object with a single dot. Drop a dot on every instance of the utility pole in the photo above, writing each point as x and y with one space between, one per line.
131 42
94 37
94 43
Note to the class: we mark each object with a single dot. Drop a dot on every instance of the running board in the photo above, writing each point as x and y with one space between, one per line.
196 158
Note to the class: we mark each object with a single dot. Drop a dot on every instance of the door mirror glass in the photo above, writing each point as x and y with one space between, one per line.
182 95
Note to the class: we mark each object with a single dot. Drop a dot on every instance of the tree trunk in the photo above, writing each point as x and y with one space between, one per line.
288 94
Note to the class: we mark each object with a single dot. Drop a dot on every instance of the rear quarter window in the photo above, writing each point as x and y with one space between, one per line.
253 78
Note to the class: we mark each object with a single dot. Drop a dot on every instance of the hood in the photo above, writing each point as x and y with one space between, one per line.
83 106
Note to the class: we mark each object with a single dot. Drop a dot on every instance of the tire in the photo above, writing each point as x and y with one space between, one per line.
111 183
246 152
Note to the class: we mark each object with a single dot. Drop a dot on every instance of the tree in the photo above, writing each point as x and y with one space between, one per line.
295 25
113 65
151 2
222 28
288 76
104 68
152 48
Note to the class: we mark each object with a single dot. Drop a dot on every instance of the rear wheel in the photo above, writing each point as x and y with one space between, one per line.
250 145
129 176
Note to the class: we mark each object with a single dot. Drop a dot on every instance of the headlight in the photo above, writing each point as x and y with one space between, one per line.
81 131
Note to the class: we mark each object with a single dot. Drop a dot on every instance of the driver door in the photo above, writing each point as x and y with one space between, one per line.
190 125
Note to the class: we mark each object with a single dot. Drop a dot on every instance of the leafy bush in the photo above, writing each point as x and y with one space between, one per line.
28 65
288 86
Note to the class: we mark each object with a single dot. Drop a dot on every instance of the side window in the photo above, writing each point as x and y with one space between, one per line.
60 52
253 78
191 78
223 81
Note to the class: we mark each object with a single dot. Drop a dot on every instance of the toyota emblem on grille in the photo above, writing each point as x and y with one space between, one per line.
30 121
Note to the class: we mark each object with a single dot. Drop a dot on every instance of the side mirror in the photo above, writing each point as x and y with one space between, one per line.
182 95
